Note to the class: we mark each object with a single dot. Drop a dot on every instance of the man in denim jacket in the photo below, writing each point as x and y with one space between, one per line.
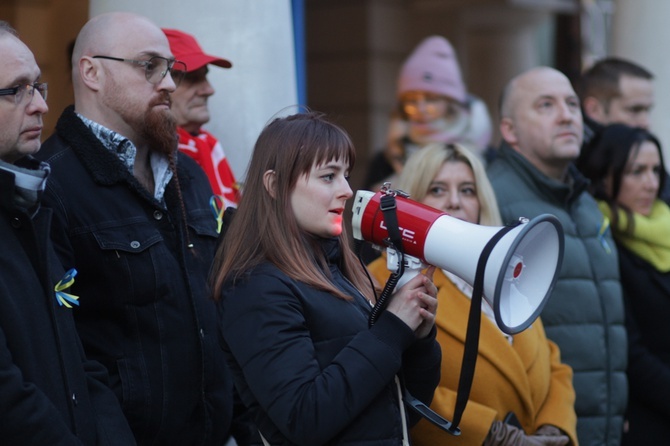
133 216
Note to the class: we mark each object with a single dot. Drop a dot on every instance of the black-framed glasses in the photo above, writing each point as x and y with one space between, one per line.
20 92
156 68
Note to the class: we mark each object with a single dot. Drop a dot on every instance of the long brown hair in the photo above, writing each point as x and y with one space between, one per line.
264 228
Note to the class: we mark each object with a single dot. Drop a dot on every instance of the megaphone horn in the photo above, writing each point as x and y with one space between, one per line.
521 270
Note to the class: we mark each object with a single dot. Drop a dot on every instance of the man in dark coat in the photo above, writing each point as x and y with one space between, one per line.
133 216
50 393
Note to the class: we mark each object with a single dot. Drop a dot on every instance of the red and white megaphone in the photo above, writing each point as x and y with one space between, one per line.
521 269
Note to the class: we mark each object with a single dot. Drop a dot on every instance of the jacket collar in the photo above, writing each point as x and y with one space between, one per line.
552 190
23 183
105 168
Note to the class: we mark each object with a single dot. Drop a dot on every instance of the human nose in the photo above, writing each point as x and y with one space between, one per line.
206 89
37 104
567 112
345 189
652 181
167 83
452 201
421 105
425 109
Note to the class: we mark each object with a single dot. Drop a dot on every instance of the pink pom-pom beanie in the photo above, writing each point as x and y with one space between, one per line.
433 67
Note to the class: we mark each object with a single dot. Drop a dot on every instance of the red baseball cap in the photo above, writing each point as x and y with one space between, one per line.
185 48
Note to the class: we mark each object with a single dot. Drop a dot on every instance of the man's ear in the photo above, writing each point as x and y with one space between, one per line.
90 72
594 109
508 131
270 182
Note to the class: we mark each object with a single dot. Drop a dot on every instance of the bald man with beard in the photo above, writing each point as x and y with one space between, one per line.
132 215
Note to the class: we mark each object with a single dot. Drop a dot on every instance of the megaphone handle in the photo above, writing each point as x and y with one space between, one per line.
428 413
406 277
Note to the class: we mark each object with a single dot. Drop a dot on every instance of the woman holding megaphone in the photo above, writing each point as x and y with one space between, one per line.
521 392
295 303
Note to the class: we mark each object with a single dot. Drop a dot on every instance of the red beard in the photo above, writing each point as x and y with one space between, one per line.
159 129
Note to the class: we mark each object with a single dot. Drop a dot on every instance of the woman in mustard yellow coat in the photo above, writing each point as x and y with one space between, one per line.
523 373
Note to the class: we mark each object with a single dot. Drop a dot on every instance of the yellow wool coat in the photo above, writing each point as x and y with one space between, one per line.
526 377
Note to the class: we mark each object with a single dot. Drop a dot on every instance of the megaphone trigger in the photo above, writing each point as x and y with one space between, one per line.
412 266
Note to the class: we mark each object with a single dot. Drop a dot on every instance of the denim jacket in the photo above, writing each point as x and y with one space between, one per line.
145 311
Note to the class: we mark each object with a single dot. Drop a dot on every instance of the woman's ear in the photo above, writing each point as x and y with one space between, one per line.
270 182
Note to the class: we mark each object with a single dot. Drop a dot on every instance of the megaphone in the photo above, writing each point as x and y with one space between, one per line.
521 269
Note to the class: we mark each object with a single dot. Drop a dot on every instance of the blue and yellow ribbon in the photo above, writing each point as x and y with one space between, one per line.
217 204
602 232
66 282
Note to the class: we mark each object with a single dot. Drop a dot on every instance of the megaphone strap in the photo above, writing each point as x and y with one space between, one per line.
471 348
387 205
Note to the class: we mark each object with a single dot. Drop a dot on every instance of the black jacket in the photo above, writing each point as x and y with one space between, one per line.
146 312
49 393
309 367
647 299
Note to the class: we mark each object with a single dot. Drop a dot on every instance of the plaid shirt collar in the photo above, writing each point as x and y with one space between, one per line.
126 151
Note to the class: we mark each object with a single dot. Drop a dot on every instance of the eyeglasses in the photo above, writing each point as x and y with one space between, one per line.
19 92
156 68
432 106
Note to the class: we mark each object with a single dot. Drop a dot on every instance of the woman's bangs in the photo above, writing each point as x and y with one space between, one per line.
338 147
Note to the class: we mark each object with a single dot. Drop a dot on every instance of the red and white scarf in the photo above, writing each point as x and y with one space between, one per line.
208 153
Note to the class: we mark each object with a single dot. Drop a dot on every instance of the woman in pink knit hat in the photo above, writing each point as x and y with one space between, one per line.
433 106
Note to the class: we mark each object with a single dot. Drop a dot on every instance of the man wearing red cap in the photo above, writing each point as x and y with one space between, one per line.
189 106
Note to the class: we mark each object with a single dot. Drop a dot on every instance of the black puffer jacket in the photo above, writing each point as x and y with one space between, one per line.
309 367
